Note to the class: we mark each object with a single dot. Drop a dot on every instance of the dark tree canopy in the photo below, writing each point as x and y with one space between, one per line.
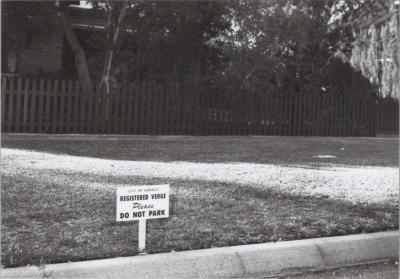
285 45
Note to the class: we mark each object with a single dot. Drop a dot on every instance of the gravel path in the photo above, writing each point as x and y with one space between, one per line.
357 184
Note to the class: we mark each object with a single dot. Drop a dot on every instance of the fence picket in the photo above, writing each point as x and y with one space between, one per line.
352 115
278 113
307 104
77 116
135 101
88 110
258 114
55 106
270 106
179 113
41 100
286 112
272 113
4 116
392 119
210 112
18 95
142 108
111 113
148 108
193 111
340 124
396 114
161 110
371 116
313 113
176 108
11 104
317 116
300 101
346 115
123 100
32 108
168 90
139 107
48 107
154 109
296 120
325 111
115 109
127 109
25 106
378 114
121 109
82 111
383 116
219 112
70 102
303 114
360 116
61 124
374 116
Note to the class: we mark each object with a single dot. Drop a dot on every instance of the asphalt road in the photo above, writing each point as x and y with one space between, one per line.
372 271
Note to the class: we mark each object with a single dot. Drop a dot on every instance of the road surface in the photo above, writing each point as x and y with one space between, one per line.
372 271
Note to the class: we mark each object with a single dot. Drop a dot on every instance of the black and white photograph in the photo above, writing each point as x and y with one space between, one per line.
200 139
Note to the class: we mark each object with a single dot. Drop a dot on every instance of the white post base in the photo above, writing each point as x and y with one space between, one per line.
142 236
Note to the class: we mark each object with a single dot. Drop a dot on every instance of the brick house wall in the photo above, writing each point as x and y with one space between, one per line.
47 51
43 53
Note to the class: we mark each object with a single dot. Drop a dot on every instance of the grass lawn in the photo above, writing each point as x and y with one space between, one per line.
72 217
51 216
263 150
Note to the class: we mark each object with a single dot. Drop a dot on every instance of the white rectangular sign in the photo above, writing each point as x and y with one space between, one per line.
142 202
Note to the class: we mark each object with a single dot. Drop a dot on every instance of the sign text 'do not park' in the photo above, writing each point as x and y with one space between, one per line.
142 202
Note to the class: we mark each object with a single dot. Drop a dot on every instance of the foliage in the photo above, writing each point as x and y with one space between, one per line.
281 44
162 40
277 45
376 55
374 49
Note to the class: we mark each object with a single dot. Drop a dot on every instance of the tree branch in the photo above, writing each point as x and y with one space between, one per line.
322 69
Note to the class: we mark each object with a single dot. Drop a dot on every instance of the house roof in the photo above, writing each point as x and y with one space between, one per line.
83 18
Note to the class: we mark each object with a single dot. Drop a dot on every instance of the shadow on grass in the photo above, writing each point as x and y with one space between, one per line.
263 150
51 217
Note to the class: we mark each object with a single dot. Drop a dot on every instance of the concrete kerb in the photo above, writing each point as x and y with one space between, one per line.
246 261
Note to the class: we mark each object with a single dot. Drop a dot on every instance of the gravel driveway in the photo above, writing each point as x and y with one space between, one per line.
356 184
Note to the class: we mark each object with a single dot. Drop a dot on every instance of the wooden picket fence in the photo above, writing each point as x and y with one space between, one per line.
52 106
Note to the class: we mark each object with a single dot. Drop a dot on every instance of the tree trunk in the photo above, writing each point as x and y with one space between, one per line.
80 57
105 80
